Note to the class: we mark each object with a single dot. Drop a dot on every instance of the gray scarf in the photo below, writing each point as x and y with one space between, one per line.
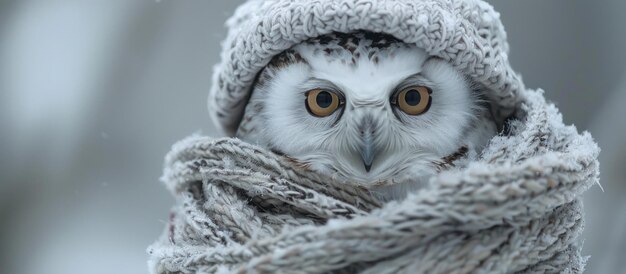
242 209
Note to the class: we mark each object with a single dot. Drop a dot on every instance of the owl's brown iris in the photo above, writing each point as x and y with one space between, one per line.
321 102
413 100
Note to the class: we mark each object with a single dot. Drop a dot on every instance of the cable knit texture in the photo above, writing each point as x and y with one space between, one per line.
243 209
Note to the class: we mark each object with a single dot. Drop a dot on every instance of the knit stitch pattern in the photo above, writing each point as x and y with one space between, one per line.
514 209
467 33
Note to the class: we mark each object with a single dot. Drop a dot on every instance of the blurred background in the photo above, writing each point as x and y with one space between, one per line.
94 93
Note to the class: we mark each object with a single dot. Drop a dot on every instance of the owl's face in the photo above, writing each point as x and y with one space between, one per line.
361 110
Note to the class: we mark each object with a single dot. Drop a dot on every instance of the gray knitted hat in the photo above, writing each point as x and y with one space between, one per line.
467 33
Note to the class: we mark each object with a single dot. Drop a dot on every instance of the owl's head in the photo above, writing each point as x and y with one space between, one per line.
363 107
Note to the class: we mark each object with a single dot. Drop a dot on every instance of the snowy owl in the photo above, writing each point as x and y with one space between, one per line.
368 109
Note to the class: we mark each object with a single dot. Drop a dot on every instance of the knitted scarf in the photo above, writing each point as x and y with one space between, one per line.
516 208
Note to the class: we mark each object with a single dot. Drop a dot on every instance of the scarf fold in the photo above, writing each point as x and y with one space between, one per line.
516 208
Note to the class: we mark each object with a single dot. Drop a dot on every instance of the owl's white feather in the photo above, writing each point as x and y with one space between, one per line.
367 70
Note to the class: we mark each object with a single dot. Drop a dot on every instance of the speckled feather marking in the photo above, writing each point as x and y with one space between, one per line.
280 61
346 48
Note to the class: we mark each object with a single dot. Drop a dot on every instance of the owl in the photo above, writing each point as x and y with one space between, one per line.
368 109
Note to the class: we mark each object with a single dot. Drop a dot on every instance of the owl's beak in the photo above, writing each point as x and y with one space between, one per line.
368 157
367 154
367 148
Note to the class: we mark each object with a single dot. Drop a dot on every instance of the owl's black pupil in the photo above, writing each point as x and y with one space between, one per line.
324 99
412 97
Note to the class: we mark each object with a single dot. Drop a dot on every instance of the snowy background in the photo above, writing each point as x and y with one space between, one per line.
93 93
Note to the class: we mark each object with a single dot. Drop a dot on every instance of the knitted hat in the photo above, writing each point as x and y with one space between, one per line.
466 33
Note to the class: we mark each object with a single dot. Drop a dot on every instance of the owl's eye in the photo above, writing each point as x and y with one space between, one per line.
321 102
413 100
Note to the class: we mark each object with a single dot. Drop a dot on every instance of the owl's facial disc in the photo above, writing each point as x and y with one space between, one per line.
366 115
